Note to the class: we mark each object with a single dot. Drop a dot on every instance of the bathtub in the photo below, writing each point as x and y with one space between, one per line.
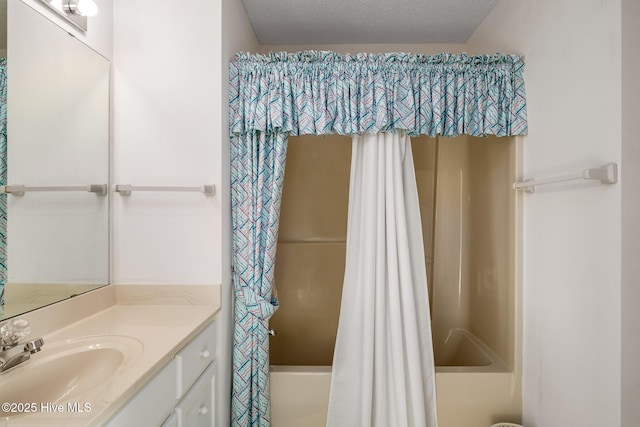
299 395
462 351
474 388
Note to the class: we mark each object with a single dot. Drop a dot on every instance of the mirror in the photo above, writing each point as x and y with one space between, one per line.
57 242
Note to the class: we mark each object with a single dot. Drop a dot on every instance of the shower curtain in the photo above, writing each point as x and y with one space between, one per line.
3 176
319 92
383 369
257 176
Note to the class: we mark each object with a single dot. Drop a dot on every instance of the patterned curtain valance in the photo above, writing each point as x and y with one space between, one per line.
319 92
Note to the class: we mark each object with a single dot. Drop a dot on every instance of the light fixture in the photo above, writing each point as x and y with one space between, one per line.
82 7
74 11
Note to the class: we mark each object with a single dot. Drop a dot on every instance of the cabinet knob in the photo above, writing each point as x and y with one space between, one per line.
205 354
203 410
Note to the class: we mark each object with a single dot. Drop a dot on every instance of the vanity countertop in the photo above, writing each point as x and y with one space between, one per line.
161 318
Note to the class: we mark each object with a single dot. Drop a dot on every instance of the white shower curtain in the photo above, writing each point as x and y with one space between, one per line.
383 369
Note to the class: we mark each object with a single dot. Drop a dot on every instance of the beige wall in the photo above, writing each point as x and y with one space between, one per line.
425 151
316 189
311 250
451 292
471 283
474 280
492 233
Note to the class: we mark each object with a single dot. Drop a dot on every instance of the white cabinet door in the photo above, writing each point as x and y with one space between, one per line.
197 409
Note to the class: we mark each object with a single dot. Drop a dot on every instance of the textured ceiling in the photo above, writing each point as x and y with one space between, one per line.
365 21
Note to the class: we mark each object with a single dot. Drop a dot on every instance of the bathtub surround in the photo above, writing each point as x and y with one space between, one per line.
474 387
383 367
277 95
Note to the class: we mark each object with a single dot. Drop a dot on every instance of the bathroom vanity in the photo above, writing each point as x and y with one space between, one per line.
120 356
182 393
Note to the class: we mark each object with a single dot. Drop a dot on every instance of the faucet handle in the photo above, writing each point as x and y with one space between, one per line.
13 331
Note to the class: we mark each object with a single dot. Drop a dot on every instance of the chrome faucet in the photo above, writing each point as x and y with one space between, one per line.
12 351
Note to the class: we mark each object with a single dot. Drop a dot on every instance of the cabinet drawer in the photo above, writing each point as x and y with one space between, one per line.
194 358
152 404
197 408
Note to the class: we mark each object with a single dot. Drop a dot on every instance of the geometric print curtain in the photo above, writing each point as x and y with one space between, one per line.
3 176
319 92
257 177
316 93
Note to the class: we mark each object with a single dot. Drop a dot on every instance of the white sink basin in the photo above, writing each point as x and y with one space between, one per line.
65 371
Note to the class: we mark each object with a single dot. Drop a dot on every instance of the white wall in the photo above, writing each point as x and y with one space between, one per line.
167 131
630 213
99 34
171 128
572 235
237 36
